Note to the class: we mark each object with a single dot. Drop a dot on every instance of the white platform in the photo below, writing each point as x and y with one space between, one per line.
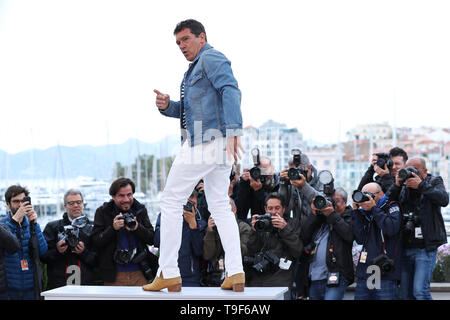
187 293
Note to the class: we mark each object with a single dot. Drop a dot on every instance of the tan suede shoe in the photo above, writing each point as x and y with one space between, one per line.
159 283
235 282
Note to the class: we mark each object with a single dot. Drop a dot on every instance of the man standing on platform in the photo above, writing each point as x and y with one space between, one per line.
211 121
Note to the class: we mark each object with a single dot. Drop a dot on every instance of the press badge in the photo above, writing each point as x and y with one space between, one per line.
419 233
284 264
24 264
363 257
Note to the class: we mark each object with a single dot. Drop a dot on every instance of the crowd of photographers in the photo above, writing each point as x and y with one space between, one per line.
297 230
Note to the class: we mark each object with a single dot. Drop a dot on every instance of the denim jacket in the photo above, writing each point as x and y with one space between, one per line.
212 99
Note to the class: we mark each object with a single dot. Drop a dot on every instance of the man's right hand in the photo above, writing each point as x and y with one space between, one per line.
61 246
21 212
118 222
162 100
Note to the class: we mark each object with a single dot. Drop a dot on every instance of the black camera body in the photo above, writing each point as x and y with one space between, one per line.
320 202
264 223
255 172
406 173
232 175
71 233
361 196
26 199
262 262
188 206
385 263
128 217
122 256
294 173
411 220
141 259
383 159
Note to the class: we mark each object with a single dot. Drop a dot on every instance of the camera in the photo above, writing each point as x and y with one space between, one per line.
294 173
128 217
255 172
142 260
410 222
71 236
188 206
262 261
232 175
26 199
406 173
360 196
71 233
320 202
385 263
264 223
327 180
383 159
123 256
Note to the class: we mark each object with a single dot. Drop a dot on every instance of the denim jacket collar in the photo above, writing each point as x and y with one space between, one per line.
207 46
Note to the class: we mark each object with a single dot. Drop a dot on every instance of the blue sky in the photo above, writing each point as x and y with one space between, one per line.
83 72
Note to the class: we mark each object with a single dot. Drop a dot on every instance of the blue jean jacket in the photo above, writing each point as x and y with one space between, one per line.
212 99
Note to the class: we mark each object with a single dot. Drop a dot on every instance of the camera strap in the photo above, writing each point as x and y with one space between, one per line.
382 239
363 253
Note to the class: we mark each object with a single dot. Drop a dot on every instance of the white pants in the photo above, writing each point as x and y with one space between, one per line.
207 161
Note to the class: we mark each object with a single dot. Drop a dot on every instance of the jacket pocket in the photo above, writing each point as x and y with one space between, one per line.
195 88
195 78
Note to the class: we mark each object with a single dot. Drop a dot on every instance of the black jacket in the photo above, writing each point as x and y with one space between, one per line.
385 181
9 243
57 264
104 236
428 200
367 228
285 243
340 240
249 199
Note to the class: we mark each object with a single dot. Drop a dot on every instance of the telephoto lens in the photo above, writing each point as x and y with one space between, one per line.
359 196
320 202
406 173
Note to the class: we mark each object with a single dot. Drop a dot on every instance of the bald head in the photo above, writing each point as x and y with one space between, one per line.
375 189
419 164
372 187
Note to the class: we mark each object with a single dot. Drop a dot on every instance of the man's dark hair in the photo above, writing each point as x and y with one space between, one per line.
13 191
120 183
193 25
275 195
396 151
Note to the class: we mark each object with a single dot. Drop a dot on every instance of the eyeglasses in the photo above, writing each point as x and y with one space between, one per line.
72 203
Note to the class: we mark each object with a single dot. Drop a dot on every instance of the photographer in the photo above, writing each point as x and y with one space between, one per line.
328 238
213 252
385 166
376 226
23 282
70 257
9 244
191 249
299 184
122 231
251 193
273 246
421 197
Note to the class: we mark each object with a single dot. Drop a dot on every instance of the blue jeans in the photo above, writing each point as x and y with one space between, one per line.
417 270
387 291
320 291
